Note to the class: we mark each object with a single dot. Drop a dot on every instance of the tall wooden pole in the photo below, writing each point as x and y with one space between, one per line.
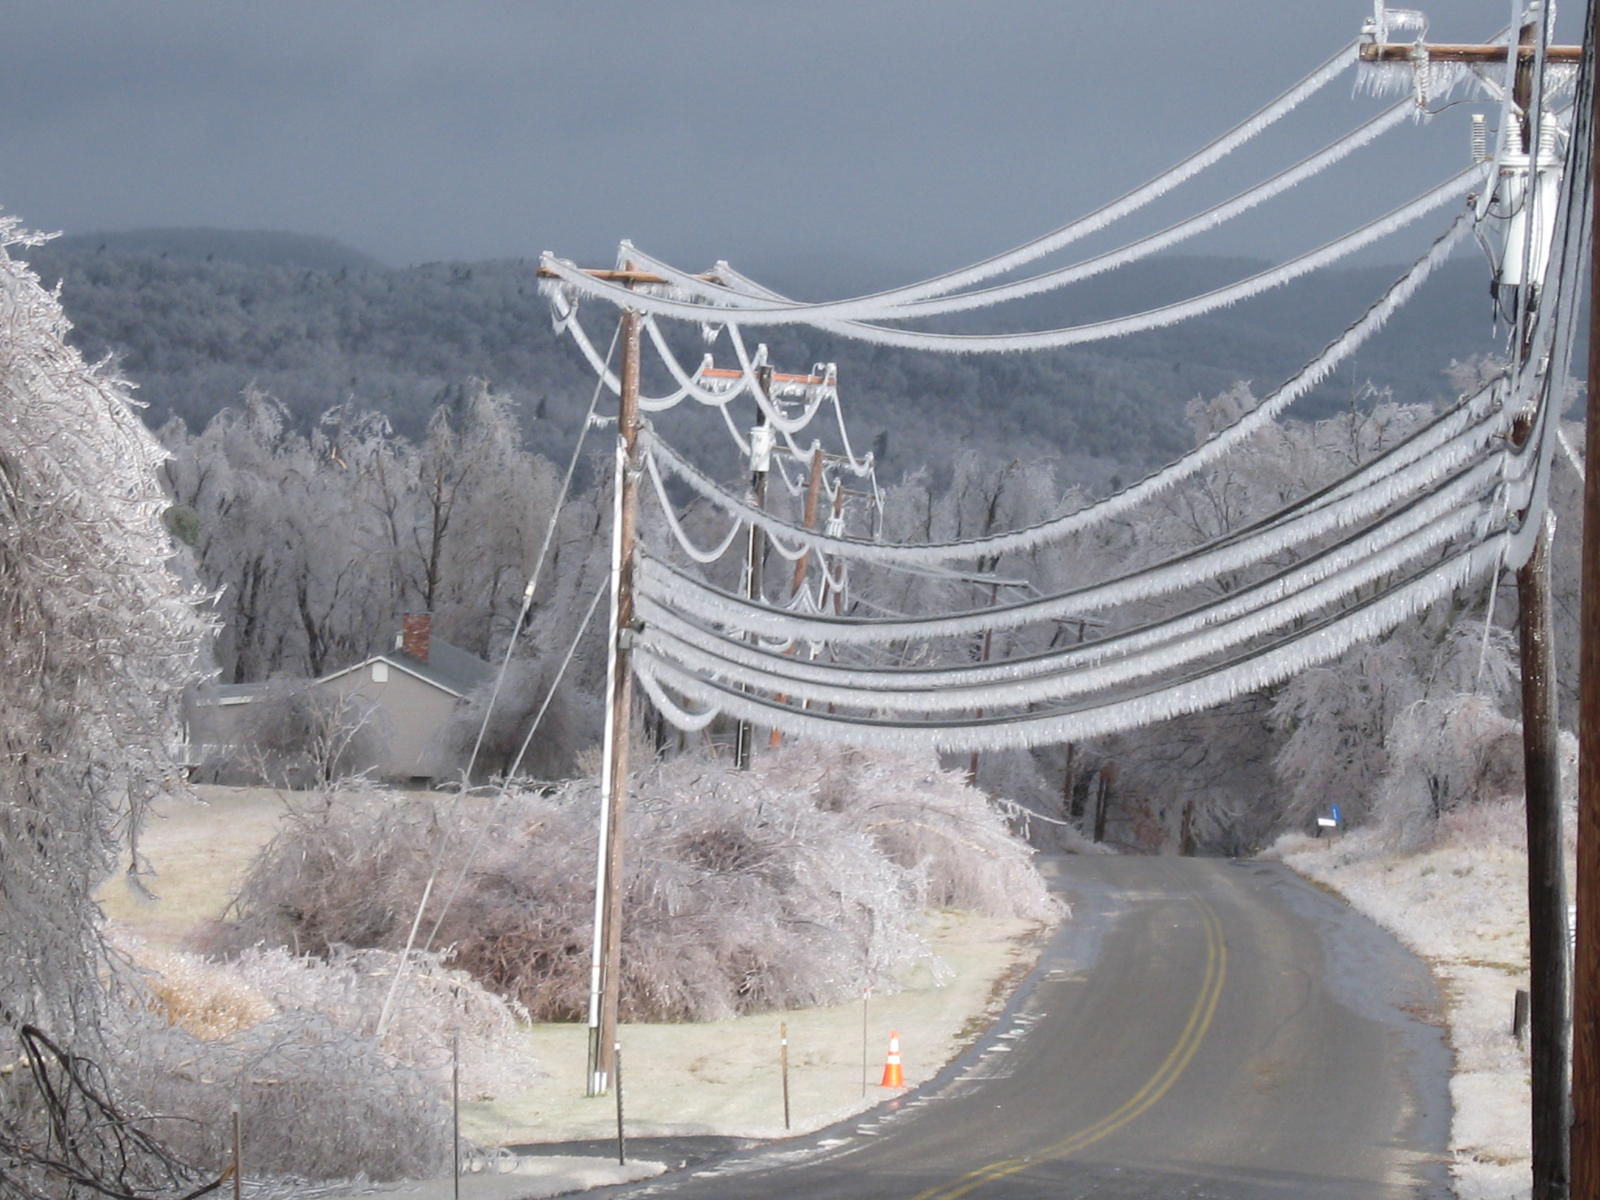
605 977
1547 893
802 564
756 545
1586 967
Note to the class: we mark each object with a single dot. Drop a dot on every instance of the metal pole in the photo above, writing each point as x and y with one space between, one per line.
605 968
756 544
1585 1145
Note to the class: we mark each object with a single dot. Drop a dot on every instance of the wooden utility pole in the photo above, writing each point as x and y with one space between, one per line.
756 543
1547 923
798 579
605 966
1547 892
605 974
1586 967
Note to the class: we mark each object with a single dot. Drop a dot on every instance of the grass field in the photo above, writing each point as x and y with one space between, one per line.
720 1077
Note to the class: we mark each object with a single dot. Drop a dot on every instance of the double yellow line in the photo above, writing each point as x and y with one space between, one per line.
1157 1086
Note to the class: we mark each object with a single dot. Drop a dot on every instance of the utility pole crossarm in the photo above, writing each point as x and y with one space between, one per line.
624 275
1399 52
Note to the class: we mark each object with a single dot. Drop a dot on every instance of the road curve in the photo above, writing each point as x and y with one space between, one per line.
1201 1028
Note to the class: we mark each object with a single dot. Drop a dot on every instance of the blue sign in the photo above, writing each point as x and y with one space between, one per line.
1334 808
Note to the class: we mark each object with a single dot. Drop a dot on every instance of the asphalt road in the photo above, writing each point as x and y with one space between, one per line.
1200 1029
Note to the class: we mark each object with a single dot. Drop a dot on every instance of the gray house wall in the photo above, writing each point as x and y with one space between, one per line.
411 715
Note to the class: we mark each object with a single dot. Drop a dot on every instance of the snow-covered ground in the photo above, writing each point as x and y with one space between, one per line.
714 1078
1462 905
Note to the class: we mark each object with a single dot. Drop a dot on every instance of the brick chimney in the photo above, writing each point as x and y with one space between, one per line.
416 632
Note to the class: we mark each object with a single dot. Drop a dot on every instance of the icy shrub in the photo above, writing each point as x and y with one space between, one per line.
298 735
927 819
1447 754
792 884
293 1042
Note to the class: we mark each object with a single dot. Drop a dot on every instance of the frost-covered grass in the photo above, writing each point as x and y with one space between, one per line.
710 1077
1461 904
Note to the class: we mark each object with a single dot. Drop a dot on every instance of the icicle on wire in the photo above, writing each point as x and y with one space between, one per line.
1377 487
1436 520
1073 335
890 691
1114 505
759 299
1131 201
682 592
1323 642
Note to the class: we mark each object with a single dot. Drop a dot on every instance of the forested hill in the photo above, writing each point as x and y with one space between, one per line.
195 316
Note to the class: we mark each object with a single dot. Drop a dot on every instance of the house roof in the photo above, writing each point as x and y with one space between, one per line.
448 667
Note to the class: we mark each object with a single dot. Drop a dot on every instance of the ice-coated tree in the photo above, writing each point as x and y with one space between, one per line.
100 639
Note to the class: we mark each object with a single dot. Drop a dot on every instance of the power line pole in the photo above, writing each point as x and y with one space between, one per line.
1586 967
756 543
1553 1153
1548 985
802 564
605 972
605 965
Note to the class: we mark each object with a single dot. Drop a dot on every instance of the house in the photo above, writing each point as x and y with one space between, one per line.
405 697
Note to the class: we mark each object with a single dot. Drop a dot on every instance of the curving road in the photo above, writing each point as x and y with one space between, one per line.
1201 1028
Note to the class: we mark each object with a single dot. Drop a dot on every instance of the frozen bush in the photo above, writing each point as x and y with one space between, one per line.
298 735
1455 752
795 883
924 818
292 1041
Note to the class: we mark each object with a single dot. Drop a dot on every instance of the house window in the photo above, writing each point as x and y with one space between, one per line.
380 672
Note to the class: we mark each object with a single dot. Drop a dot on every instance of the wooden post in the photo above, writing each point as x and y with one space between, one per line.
238 1154
865 992
1547 900
606 966
622 1142
455 1115
1102 800
828 590
755 545
1585 1145
985 649
783 1061
1547 893
1186 831
802 564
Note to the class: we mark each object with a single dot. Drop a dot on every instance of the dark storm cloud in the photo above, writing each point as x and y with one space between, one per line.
916 135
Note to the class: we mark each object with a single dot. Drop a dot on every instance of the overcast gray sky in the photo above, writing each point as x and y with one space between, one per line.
911 136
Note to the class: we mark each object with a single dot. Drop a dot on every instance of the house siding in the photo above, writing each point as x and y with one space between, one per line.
412 713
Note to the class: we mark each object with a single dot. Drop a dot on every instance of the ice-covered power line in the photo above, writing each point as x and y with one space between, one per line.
740 292
708 604
1211 450
699 699
1081 227
569 276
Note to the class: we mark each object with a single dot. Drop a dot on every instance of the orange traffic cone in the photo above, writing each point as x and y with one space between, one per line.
893 1076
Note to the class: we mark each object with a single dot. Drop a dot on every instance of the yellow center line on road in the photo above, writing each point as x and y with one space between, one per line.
1157 1086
